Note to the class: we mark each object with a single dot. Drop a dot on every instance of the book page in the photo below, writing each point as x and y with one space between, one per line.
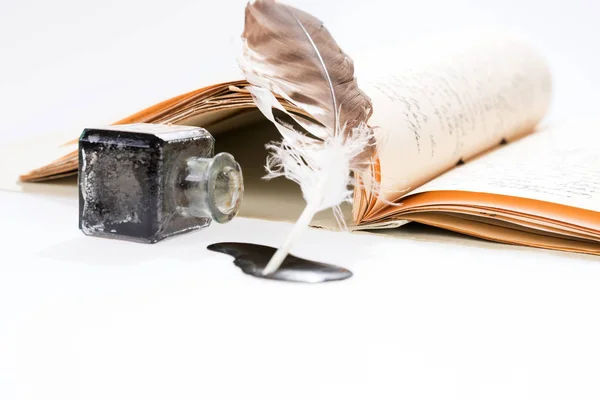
449 98
559 165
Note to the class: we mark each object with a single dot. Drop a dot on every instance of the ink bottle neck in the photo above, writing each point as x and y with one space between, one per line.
213 187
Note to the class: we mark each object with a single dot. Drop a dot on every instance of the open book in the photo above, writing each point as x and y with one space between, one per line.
460 147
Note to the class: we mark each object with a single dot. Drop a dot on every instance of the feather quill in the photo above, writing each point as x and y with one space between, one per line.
290 53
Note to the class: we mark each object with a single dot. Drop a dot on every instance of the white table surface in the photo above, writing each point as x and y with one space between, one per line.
427 316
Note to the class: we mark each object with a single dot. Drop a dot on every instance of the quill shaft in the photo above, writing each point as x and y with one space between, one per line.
301 225
325 72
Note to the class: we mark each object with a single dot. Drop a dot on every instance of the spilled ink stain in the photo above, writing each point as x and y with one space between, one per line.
253 258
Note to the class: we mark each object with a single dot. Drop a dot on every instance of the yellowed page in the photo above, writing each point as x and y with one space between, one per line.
560 165
449 98
506 235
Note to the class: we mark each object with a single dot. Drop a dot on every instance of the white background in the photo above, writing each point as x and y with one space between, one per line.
431 316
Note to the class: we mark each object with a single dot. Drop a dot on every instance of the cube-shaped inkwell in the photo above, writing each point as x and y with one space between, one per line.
145 182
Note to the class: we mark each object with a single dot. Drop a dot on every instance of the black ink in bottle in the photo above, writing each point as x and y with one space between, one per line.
146 182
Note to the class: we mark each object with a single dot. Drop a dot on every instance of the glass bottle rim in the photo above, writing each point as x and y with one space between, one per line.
217 164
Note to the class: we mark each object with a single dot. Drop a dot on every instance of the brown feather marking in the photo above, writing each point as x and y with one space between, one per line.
281 52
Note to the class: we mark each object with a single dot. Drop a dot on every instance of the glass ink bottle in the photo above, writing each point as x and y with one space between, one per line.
146 182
